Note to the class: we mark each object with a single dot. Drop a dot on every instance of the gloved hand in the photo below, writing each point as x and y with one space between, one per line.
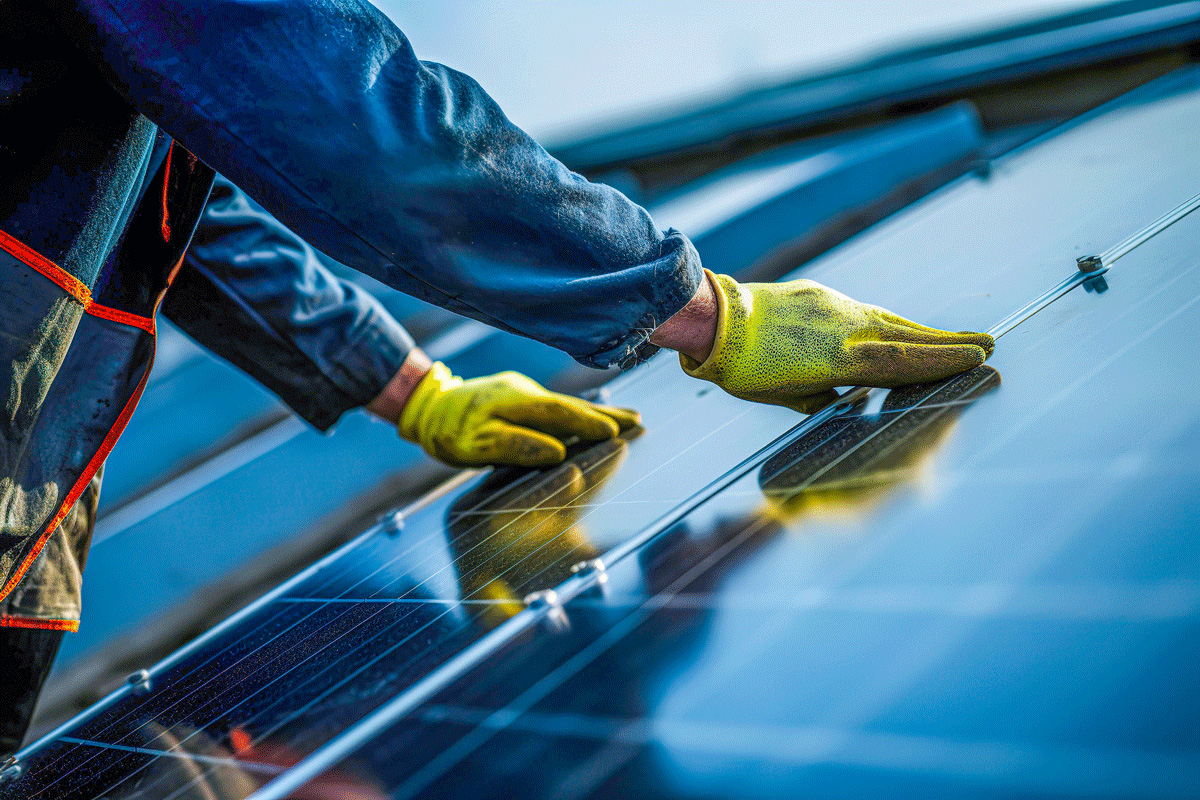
501 419
786 343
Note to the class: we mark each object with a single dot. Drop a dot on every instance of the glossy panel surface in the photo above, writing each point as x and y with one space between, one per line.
985 587
988 587
247 462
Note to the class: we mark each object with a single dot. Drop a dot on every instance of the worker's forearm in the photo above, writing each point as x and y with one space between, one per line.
390 402
690 331
693 328
404 169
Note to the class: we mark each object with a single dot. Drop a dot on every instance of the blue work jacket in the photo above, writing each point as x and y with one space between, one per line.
114 115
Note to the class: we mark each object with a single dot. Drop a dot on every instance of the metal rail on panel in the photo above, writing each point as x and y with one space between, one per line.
142 679
1092 267
545 605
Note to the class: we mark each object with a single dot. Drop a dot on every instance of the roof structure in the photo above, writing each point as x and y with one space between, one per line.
988 586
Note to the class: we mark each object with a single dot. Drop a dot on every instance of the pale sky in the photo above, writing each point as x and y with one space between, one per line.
562 68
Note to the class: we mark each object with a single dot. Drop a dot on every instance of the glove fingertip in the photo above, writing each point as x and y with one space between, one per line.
969 356
537 453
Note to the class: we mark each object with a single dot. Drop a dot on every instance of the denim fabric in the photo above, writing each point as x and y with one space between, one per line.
404 169
320 110
256 294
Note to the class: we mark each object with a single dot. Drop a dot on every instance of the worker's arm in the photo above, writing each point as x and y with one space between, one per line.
404 169
791 343
256 294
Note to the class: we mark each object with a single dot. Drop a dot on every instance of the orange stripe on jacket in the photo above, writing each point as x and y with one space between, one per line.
40 624
32 258
81 293
71 285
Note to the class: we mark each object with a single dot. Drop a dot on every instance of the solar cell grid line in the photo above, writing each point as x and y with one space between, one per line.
328 690
266 769
1165 600
1158 326
300 644
236 618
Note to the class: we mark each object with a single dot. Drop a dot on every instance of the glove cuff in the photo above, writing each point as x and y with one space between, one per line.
416 417
727 291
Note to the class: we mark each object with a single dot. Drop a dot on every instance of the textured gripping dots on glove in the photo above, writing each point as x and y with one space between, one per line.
790 343
501 419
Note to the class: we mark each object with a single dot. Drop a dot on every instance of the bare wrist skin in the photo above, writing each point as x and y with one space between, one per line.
694 327
391 401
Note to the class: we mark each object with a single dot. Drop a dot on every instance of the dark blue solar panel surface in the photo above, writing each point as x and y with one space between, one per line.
288 479
985 587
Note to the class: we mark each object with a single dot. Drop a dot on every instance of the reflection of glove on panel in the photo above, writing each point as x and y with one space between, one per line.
781 342
501 419
511 538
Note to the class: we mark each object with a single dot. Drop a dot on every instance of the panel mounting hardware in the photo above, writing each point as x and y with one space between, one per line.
589 567
392 523
10 770
1089 263
556 617
139 682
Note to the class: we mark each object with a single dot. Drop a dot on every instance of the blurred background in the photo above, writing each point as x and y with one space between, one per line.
567 71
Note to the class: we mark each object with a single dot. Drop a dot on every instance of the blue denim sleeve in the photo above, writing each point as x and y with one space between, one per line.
404 169
254 293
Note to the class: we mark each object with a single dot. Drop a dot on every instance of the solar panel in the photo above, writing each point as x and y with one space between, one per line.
829 188
984 586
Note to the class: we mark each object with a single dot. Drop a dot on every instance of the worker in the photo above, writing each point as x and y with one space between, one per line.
117 115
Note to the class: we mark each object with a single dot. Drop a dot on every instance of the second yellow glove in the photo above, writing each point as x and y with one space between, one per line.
783 343
505 418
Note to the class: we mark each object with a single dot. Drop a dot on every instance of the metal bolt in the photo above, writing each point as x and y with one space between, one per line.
139 682
392 522
546 597
556 617
593 565
1089 263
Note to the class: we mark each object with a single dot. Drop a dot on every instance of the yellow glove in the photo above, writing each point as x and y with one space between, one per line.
783 343
501 419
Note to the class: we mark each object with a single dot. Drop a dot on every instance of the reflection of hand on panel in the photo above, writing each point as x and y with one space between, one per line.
855 459
510 539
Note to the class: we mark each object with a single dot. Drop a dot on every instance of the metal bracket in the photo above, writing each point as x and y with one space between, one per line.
592 566
10 770
556 616
139 683
392 522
